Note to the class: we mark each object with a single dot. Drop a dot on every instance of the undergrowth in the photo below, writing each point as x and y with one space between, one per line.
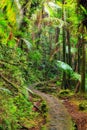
16 107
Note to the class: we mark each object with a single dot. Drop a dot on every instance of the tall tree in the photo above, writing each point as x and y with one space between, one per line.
82 7
64 44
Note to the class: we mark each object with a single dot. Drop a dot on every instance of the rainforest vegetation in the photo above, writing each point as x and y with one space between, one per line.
43 45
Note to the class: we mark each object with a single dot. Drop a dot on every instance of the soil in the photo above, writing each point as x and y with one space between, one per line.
58 117
78 116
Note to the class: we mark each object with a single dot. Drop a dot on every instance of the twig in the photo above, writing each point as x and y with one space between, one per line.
37 108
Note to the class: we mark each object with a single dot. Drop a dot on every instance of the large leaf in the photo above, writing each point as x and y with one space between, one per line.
65 67
5 90
28 44
76 76
51 9
54 5
83 9
68 70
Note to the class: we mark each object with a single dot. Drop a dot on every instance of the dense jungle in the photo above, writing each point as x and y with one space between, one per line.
43 65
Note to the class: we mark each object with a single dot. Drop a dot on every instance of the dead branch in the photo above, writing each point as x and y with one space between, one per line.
43 83
15 86
8 81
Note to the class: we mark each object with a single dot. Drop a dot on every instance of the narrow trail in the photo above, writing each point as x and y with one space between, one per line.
59 118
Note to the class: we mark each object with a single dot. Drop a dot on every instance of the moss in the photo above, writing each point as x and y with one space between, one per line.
44 108
44 127
83 106
65 93
74 125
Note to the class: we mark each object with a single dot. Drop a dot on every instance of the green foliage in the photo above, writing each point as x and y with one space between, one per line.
44 108
65 93
28 44
14 110
15 104
9 11
52 9
4 29
76 76
7 22
35 56
83 9
8 112
24 107
12 58
65 67
83 106
43 127
26 50
69 71
58 83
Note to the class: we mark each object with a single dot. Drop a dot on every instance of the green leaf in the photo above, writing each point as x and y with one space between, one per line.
84 10
5 90
29 45
65 67
12 43
54 5
51 9
76 76
68 70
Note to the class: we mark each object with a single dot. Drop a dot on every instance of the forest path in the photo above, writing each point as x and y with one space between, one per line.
59 118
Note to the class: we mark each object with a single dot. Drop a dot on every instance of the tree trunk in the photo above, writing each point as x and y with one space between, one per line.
57 35
83 69
64 45
83 29
68 56
79 53
69 47
56 41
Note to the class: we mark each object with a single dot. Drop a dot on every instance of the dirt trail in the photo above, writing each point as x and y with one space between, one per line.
59 118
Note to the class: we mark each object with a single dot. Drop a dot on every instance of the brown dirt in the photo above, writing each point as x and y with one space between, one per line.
79 117
59 118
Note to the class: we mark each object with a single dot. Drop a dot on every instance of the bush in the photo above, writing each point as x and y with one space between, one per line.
83 106
8 109
65 93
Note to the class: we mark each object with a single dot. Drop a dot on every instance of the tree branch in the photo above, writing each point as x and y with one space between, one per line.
12 84
44 82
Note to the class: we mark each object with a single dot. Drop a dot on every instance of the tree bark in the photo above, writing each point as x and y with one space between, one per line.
69 47
79 54
83 69
64 45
